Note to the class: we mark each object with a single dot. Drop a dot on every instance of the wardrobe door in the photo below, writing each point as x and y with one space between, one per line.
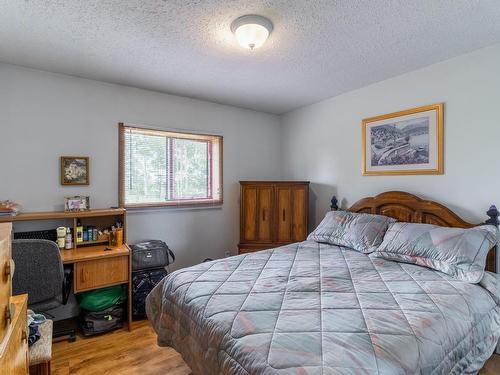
265 213
299 202
283 214
249 213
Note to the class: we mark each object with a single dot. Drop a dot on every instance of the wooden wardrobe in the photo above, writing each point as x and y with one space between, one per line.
272 214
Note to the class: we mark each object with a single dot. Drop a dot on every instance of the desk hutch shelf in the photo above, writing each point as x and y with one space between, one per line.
102 217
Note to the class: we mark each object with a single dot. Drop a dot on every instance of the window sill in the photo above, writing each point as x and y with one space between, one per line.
183 205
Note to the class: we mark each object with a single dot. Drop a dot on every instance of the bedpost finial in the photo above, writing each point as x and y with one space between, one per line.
333 204
493 216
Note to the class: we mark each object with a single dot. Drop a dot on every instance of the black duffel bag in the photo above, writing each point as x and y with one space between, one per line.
142 283
97 322
151 254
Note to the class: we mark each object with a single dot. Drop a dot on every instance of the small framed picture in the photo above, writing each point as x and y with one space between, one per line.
77 203
75 170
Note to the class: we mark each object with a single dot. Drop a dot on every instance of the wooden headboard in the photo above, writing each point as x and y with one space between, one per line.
407 207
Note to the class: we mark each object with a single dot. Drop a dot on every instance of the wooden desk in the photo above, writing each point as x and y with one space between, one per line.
96 267
93 266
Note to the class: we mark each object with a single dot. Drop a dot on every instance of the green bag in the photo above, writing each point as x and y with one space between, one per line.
101 299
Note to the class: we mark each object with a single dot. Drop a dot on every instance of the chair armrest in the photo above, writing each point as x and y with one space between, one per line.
67 282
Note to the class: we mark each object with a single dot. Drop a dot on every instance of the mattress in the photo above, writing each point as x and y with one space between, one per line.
312 308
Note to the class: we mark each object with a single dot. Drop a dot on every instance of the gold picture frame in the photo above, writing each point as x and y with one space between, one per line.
75 170
408 142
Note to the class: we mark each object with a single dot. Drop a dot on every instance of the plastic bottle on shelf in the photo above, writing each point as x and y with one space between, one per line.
68 243
61 235
79 231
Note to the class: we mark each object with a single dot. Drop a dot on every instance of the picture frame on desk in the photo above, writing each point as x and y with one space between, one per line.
76 203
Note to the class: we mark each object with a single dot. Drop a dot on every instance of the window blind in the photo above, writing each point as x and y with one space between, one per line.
169 168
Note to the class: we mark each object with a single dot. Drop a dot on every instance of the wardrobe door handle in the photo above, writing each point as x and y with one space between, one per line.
283 214
263 214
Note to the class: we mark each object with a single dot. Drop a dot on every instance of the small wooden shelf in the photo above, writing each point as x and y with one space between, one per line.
54 215
89 243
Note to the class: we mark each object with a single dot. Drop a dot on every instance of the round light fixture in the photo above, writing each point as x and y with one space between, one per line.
251 31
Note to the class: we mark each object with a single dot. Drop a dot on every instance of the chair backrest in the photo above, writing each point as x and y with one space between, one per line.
38 270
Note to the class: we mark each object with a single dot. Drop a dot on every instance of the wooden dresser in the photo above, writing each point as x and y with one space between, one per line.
272 213
13 336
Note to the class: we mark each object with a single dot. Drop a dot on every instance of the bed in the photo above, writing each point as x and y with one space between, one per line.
314 308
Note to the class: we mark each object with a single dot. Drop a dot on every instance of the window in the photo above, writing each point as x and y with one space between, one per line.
164 168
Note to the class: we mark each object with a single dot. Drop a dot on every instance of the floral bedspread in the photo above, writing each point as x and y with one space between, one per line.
311 308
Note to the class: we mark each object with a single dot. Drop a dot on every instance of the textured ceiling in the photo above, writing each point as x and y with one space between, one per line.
318 49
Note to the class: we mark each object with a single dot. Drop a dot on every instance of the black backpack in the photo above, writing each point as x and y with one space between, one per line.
142 283
97 322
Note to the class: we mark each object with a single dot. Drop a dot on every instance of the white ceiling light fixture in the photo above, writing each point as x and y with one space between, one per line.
251 31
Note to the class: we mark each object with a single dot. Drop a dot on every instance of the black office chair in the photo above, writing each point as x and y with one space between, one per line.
39 272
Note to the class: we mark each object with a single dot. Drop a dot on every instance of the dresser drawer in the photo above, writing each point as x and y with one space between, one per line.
14 358
5 275
97 273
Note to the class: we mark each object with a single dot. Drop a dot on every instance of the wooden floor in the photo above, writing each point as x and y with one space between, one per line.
119 352
126 353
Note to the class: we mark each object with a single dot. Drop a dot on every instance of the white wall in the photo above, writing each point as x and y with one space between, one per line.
45 115
322 142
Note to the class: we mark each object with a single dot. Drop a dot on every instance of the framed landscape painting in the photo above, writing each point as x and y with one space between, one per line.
74 170
406 142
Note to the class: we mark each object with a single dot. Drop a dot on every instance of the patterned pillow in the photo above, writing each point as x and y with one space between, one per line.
361 232
460 253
